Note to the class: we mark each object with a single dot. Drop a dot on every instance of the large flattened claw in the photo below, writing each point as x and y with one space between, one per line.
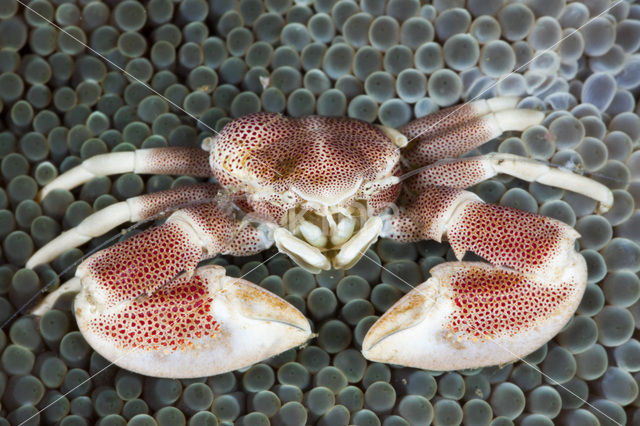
471 314
193 327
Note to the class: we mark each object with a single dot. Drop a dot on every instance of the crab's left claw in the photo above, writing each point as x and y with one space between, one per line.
208 324
470 314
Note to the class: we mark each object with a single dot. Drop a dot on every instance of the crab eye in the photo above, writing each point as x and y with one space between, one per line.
289 197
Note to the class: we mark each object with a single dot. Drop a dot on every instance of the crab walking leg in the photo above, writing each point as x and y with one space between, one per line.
452 132
458 114
470 315
170 161
132 210
465 172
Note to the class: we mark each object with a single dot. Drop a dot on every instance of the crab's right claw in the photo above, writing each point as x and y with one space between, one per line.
200 326
470 315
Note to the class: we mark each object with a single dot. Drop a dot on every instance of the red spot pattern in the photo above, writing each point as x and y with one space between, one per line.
402 228
321 157
491 302
448 133
141 264
506 236
425 215
157 202
383 194
177 161
221 231
458 173
379 201
269 211
172 318
134 279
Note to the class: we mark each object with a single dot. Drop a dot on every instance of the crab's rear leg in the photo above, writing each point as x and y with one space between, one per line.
463 173
133 209
453 131
170 161
135 312
468 314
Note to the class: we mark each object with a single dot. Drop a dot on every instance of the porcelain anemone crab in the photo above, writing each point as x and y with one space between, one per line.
323 190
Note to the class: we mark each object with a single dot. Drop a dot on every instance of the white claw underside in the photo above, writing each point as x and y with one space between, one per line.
255 325
412 332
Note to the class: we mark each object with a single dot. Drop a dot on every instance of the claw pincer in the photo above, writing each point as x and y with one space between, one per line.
471 314
199 326
136 310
